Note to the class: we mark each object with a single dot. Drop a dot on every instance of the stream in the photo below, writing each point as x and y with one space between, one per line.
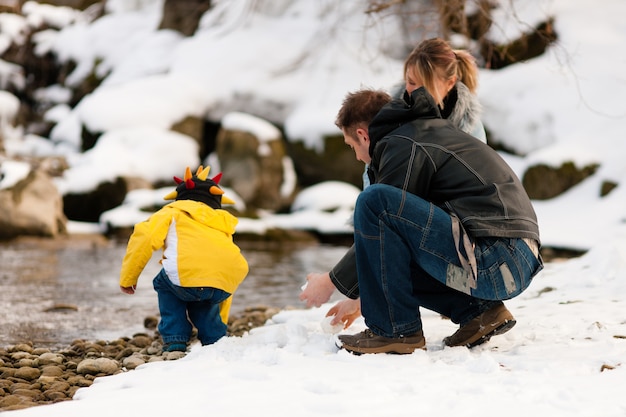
53 291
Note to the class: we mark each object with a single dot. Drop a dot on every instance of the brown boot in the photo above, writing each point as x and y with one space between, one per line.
368 342
492 322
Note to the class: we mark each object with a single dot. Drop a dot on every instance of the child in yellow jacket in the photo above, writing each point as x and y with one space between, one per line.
202 266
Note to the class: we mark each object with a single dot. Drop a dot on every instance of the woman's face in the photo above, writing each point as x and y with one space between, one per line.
412 82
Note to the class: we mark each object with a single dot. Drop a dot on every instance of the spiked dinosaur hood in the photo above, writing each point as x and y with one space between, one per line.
200 188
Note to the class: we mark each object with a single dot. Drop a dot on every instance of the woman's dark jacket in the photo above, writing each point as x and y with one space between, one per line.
414 149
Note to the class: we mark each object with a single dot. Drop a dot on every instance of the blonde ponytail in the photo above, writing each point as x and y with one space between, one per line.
467 71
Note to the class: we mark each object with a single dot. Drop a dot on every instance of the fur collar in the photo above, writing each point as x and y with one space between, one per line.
462 108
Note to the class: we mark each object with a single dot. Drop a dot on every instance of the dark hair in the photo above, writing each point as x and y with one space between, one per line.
435 58
359 108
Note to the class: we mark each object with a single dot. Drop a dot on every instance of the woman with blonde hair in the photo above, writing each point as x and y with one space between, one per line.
451 78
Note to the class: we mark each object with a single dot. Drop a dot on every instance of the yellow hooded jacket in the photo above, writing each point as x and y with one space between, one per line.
198 248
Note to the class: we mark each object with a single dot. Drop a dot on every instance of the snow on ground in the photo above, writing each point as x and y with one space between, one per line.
565 357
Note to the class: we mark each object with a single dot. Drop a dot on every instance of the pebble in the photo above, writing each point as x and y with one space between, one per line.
133 362
98 366
27 372
52 371
49 358
32 375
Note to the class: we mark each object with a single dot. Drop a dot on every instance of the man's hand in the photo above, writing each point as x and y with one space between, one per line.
317 290
128 290
345 312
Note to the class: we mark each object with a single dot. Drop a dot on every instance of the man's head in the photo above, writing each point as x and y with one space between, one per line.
354 116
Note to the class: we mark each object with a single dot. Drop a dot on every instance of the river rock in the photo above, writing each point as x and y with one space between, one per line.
50 358
54 395
16 386
57 376
10 401
124 353
79 381
21 347
27 392
46 380
28 373
141 340
19 355
132 362
52 371
97 366
154 349
5 385
172 356
60 386
26 362
151 322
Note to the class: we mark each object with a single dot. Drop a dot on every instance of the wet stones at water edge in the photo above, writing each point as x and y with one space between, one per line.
31 375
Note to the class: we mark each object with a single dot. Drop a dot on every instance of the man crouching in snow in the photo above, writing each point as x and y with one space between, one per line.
202 266
446 225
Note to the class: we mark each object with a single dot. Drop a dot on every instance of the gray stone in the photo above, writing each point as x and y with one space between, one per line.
21 347
52 370
33 206
50 358
132 362
47 380
19 355
172 356
95 366
26 362
253 167
54 395
28 373
141 341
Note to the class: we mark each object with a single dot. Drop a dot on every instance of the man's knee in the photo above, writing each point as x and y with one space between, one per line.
376 193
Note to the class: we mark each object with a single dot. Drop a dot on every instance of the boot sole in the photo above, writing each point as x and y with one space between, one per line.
501 329
398 348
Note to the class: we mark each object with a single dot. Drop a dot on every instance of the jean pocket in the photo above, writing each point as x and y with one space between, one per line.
505 269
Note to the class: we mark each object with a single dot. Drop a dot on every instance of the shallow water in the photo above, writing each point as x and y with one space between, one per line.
53 291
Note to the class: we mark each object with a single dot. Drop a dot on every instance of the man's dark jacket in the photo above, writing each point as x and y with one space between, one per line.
414 149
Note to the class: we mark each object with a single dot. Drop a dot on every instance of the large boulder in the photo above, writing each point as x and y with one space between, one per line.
334 162
89 206
543 182
32 206
252 155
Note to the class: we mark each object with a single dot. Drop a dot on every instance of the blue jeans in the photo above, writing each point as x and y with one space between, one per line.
407 258
182 307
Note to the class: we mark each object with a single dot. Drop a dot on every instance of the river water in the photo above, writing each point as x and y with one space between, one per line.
53 291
